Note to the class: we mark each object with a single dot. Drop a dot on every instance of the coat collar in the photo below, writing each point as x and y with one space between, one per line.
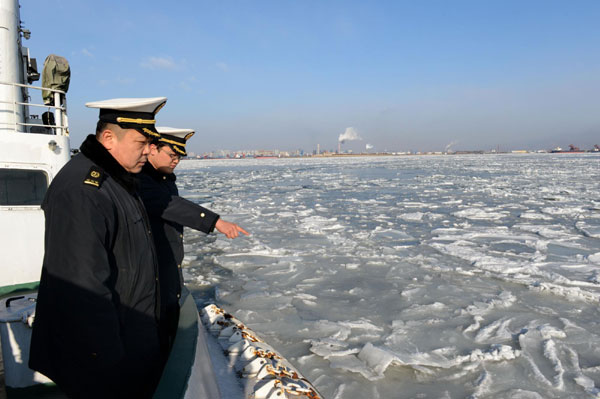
156 175
96 152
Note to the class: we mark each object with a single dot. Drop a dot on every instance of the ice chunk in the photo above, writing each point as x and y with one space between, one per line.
594 258
375 358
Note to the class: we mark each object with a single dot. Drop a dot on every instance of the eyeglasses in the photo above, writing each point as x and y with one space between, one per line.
174 157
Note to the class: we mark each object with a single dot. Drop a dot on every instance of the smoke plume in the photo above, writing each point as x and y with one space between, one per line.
349 135
449 146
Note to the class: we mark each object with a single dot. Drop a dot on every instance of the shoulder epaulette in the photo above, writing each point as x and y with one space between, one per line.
94 177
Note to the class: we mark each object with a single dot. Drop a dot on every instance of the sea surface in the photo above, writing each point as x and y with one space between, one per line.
462 276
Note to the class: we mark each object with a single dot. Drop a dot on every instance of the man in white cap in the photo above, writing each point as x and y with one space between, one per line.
168 214
96 330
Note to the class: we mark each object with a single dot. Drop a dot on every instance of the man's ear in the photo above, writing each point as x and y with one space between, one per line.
153 149
108 138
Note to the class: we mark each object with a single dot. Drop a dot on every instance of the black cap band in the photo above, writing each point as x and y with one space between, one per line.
143 122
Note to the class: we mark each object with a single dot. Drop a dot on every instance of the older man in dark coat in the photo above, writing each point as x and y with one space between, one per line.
96 330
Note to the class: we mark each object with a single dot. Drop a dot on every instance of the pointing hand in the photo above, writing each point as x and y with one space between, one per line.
231 230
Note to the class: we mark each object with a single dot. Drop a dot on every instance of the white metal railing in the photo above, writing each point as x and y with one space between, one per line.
61 124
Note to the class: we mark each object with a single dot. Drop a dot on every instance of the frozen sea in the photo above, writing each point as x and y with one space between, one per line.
474 276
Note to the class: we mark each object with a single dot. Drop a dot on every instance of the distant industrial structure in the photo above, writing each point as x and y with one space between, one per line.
259 154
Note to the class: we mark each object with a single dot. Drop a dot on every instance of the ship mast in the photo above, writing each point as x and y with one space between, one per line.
12 69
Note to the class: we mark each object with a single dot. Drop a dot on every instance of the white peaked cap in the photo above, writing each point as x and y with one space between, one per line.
131 113
149 105
173 131
175 137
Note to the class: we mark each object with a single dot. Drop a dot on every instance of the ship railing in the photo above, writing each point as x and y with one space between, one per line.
60 125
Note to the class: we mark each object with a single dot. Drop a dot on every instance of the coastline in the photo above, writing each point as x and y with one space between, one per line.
391 154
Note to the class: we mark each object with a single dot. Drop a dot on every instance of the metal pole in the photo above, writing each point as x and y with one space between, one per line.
59 116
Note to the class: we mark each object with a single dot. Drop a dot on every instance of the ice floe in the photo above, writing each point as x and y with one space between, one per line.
411 277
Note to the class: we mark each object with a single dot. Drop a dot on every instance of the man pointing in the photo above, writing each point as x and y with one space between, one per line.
169 213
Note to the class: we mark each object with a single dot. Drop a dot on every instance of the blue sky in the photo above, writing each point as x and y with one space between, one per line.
405 75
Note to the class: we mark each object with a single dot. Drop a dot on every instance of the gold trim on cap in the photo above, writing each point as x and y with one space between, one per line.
150 132
178 150
171 141
139 121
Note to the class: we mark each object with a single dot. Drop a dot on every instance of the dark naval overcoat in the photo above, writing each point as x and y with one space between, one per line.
96 329
168 214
